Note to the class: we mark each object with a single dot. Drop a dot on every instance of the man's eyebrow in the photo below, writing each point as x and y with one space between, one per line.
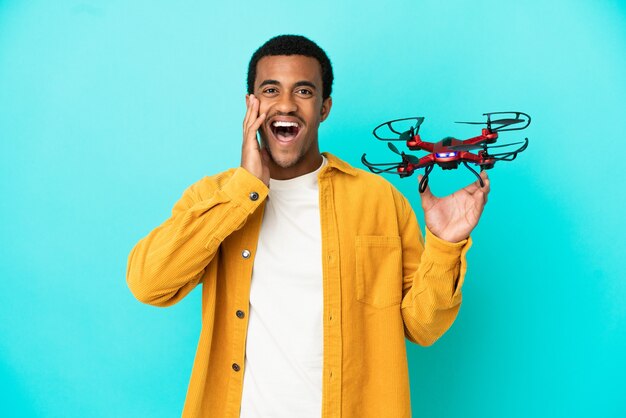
305 83
297 84
266 82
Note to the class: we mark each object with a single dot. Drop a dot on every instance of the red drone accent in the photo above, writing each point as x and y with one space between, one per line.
448 152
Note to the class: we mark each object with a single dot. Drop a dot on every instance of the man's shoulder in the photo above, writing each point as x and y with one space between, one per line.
369 180
372 179
364 185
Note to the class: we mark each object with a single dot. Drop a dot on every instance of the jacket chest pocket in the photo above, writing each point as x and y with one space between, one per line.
379 270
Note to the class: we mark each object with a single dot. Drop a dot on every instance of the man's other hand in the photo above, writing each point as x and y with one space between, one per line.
452 218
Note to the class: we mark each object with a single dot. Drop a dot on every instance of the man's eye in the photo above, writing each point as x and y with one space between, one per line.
270 90
306 92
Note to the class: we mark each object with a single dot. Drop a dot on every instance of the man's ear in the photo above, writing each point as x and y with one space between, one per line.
326 105
247 99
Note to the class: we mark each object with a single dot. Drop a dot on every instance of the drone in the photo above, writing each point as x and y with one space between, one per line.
449 152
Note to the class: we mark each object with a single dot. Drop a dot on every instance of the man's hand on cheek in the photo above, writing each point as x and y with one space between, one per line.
253 158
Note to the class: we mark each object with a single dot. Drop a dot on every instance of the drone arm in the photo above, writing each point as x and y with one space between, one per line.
469 157
425 161
416 144
484 137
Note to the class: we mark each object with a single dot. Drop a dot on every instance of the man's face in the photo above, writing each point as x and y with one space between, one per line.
289 89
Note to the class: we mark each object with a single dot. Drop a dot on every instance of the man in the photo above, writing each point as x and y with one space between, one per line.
313 272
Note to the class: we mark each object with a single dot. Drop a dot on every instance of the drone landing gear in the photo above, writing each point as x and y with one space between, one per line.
480 179
424 180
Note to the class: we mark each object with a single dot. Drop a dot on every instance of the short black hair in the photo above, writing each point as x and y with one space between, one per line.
293 45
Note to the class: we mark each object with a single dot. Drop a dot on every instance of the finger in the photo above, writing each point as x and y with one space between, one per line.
254 127
254 112
251 115
472 187
428 199
248 110
476 186
251 133
486 181
483 192
481 197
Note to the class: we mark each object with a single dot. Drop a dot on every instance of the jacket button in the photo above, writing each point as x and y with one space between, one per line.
245 254
254 196
236 367
240 314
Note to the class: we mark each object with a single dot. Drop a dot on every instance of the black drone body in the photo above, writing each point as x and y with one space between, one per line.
449 152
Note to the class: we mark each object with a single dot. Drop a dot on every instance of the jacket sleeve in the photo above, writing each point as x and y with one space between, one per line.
433 274
169 262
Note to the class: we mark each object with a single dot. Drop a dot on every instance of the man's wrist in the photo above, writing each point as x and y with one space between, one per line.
443 250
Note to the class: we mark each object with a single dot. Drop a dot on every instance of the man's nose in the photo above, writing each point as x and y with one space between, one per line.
286 104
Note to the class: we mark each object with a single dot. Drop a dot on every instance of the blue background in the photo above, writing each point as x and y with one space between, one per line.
109 110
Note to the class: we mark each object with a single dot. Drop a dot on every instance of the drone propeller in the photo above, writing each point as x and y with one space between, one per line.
405 157
467 147
509 156
498 121
399 128
503 123
478 145
378 168
392 167
506 145
393 148
508 121
407 135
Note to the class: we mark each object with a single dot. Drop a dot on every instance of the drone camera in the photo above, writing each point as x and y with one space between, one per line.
448 165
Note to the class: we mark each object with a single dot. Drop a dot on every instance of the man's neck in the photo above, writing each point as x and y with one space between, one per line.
299 169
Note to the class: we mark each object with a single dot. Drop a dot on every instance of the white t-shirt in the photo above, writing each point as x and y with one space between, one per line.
284 344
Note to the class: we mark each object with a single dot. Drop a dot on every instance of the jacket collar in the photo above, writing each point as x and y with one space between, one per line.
336 163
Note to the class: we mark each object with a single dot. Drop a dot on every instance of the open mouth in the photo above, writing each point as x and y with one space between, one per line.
285 131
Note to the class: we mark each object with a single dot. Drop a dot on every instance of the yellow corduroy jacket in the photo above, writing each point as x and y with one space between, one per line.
381 283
